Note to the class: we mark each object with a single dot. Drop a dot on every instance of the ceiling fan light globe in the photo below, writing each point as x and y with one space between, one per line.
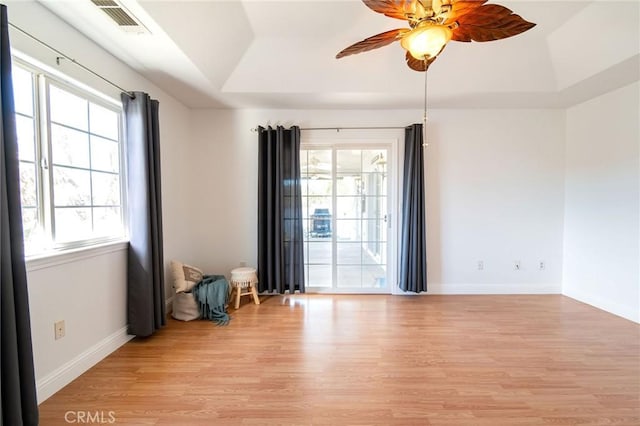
426 40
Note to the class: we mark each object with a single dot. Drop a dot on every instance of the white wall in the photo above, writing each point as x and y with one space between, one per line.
494 183
225 160
495 194
601 235
89 293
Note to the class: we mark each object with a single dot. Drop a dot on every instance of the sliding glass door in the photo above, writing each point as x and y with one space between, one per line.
345 206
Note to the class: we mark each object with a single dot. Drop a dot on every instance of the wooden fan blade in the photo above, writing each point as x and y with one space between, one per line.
418 64
373 42
487 23
391 8
462 7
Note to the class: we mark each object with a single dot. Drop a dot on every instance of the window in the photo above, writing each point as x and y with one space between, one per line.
345 201
70 162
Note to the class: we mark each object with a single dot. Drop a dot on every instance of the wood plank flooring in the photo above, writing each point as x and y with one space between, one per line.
373 360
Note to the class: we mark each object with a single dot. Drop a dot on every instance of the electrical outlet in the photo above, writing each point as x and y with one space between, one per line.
541 265
480 265
516 265
59 329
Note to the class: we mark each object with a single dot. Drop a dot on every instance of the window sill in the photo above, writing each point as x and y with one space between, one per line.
48 260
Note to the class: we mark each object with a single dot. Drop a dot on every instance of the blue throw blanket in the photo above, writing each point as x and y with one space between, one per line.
211 296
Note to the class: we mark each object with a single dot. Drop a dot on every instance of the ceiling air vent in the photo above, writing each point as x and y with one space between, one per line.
122 17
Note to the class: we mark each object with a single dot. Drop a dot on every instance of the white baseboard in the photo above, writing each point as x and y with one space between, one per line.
625 312
511 288
71 370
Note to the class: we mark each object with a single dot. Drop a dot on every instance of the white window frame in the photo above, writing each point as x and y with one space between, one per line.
43 78
362 140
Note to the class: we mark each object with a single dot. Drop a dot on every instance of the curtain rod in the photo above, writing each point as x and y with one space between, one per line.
337 129
63 56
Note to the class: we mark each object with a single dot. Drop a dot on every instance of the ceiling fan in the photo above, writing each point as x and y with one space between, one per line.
433 23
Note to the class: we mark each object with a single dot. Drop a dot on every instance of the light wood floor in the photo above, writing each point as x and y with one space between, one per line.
374 360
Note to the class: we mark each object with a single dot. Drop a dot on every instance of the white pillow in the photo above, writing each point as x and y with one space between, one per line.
185 277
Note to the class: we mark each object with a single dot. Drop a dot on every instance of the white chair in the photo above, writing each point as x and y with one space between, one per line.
243 283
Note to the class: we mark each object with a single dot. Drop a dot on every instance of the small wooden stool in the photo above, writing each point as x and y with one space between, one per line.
243 283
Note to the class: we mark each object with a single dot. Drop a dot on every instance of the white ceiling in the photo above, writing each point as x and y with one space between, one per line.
281 54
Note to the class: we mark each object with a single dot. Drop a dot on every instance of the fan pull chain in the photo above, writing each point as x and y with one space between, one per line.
424 118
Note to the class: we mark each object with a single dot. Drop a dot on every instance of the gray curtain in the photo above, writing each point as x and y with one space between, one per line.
17 377
280 239
413 243
145 274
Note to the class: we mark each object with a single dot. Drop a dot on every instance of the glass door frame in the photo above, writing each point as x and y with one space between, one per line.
393 209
